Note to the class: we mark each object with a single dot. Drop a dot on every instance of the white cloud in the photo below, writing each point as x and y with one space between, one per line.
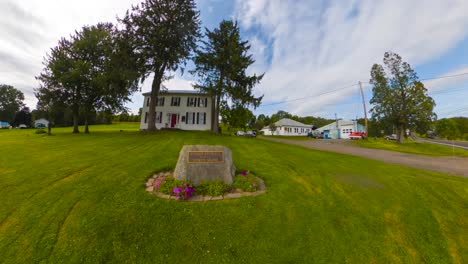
319 46
30 28
459 76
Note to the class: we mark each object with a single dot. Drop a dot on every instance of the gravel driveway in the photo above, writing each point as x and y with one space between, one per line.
450 165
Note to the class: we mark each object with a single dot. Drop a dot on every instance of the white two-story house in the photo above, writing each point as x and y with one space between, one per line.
179 109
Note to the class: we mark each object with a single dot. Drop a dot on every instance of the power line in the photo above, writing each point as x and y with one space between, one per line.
305 97
352 85
440 77
461 110
446 76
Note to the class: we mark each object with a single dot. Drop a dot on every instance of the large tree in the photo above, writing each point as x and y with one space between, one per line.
92 71
221 66
237 117
164 34
399 98
11 101
23 117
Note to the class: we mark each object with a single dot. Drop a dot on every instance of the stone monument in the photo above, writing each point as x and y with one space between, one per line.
199 163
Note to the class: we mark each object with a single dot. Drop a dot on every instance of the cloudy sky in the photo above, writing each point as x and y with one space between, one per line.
309 50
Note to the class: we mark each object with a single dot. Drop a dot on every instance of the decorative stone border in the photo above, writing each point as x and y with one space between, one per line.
234 194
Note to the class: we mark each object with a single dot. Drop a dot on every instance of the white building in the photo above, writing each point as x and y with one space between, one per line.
4 124
179 109
340 129
41 123
288 127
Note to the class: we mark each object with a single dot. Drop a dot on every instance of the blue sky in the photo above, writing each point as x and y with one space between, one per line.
305 48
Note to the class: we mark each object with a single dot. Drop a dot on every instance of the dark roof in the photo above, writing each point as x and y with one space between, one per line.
179 92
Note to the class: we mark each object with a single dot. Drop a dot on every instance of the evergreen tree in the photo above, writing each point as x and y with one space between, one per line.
221 66
163 33
399 98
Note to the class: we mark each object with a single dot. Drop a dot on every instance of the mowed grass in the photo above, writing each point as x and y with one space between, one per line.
412 147
81 199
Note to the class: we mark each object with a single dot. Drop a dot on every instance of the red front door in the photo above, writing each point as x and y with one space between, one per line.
173 120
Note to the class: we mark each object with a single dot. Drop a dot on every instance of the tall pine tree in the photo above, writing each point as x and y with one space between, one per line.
221 66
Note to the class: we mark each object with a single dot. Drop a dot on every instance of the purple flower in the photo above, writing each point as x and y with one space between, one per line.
254 185
244 173
176 190
177 197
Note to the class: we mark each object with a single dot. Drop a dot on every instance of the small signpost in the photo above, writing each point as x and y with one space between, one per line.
205 157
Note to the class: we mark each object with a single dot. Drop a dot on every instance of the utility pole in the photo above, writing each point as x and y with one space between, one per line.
365 111
337 130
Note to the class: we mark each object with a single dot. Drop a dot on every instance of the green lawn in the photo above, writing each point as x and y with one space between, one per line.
412 147
81 198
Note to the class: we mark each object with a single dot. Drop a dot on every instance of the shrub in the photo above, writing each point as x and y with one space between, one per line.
183 191
212 188
180 189
246 182
40 131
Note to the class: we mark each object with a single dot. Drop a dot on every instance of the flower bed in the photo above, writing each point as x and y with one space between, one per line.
164 185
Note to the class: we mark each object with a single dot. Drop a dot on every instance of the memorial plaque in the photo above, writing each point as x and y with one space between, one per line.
200 163
205 157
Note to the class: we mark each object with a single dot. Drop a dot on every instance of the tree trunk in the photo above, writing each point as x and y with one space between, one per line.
49 128
401 134
216 115
213 107
75 120
153 99
86 128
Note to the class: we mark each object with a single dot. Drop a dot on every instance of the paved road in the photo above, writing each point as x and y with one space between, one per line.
457 144
450 165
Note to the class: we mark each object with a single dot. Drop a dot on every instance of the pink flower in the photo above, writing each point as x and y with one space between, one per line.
254 185
177 197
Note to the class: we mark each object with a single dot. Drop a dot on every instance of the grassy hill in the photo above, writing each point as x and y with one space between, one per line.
81 198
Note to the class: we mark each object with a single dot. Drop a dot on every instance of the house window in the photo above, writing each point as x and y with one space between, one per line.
146 117
158 117
190 117
183 119
192 101
202 102
147 102
175 101
160 101
201 118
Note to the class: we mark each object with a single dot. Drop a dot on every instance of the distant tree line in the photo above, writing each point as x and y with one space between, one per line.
262 121
15 112
452 128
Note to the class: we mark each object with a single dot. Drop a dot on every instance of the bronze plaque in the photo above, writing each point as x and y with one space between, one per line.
205 157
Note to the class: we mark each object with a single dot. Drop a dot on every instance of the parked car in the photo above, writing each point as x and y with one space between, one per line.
250 134
239 133
320 136
22 126
391 137
357 135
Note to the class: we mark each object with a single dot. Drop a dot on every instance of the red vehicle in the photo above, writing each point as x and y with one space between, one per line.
357 135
